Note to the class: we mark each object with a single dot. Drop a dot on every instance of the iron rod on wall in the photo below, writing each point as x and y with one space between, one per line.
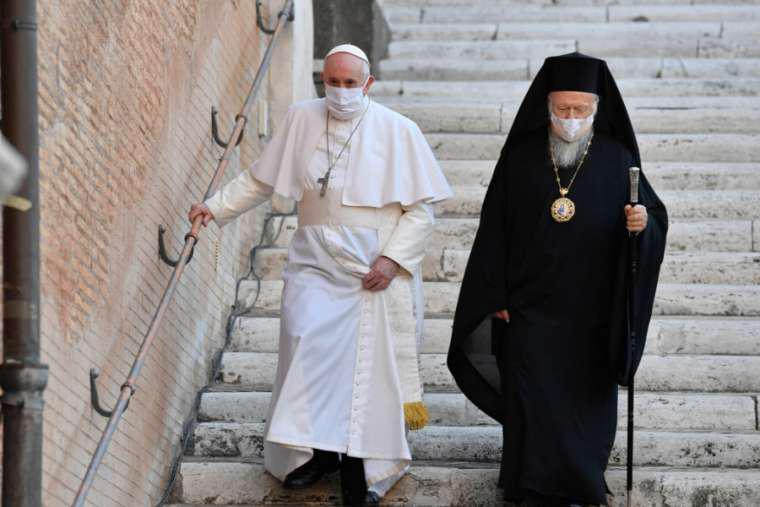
129 385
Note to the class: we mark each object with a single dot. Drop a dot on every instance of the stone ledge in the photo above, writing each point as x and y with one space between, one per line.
696 336
515 90
521 69
448 265
683 235
483 444
248 483
670 147
677 372
671 299
660 411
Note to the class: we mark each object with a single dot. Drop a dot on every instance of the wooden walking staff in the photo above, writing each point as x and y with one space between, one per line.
191 238
633 256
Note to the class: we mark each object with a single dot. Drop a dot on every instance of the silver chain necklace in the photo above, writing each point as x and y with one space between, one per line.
324 180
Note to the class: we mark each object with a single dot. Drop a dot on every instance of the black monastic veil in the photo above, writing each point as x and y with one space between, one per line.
550 375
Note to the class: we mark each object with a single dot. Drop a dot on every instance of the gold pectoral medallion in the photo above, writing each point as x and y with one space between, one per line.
563 208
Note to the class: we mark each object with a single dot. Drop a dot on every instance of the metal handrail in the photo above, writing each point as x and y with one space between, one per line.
129 386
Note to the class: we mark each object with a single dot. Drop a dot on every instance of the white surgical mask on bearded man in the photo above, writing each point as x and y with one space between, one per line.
570 128
345 103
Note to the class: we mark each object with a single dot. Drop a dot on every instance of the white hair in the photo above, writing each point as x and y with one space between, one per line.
596 101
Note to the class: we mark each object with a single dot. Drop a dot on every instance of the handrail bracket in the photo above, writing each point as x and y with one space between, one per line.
95 398
215 128
162 253
290 13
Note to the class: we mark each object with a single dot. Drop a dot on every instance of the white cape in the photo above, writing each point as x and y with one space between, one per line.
391 161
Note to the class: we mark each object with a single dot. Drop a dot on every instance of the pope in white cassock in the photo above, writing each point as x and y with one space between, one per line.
347 386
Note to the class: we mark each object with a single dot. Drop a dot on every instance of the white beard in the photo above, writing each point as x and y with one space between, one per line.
568 154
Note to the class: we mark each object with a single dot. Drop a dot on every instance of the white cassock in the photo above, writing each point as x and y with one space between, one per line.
347 357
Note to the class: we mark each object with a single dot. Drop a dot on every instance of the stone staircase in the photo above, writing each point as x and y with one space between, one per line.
690 74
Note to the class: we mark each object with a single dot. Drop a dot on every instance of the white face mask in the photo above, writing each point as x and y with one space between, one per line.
569 129
344 103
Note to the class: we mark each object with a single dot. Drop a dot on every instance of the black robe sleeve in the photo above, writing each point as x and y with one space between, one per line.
483 292
623 356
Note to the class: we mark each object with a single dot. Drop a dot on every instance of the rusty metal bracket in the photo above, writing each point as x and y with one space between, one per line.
215 128
162 253
20 24
260 19
95 399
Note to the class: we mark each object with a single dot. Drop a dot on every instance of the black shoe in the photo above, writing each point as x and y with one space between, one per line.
353 484
371 498
322 464
534 499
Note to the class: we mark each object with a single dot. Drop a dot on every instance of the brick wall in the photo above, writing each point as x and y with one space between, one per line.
126 89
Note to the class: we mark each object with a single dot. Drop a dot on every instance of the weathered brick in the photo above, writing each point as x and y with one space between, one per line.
125 90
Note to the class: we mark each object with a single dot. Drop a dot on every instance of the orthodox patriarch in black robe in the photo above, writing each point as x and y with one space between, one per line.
550 374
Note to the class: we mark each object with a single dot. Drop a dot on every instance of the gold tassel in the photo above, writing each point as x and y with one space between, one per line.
19 203
415 415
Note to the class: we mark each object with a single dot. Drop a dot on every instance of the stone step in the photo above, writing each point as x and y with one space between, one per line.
491 50
483 444
671 299
659 147
688 204
633 103
739 29
691 204
683 235
652 448
509 105
627 39
520 69
655 13
493 12
246 371
480 50
572 13
711 267
417 6
693 336
238 483
666 34
662 175
514 91
678 267
478 4
614 45
658 411
488 118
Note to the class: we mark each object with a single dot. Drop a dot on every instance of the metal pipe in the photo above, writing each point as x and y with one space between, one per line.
22 377
128 387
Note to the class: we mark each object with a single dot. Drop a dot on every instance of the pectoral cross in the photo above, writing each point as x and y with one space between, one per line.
324 180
